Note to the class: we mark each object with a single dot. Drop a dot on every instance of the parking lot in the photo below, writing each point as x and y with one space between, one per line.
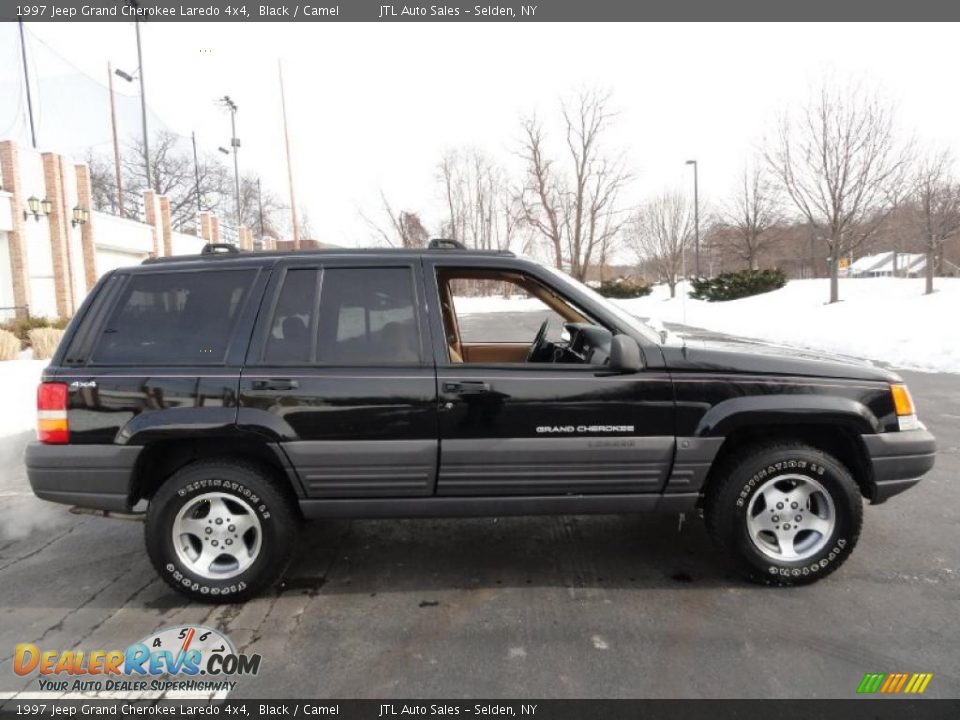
585 606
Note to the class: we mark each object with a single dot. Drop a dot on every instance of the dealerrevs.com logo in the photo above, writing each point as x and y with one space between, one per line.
180 658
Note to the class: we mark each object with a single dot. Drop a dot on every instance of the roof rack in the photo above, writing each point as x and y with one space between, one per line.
217 248
445 244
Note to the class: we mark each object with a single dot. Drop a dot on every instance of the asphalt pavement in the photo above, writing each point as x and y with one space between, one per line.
570 606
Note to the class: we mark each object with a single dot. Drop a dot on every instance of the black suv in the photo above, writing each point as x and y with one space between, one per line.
234 394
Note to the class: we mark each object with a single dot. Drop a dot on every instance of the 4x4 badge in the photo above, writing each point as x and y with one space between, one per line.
83 384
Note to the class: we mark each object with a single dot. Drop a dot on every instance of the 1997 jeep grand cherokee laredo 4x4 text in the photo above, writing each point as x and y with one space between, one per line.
235 393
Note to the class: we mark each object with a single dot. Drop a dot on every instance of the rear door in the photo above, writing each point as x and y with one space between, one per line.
339 372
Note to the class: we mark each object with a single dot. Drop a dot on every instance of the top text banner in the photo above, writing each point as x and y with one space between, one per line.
451 11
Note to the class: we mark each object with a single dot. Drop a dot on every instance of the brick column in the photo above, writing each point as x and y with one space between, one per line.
214 229
166 229
87 235
151 215
10 169
205 230
56 222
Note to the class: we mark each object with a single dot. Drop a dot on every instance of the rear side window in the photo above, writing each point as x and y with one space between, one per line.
367 316
174 318
292 329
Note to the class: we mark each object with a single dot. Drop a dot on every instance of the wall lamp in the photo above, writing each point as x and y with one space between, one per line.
80 216
33 208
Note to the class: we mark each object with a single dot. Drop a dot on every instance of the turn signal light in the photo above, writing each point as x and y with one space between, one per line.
902 400
52 427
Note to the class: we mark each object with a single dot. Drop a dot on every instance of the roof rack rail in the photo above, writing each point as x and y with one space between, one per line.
446 244
217 248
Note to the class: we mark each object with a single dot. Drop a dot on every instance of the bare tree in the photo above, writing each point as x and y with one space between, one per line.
750 215
403 229
481 212
839 161
573 203
253 199
660 233
937 197
174 174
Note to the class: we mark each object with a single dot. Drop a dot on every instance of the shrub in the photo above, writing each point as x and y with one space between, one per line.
740 284
624 288
21 327
44 342
9 345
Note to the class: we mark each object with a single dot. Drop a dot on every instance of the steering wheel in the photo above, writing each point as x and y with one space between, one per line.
539 342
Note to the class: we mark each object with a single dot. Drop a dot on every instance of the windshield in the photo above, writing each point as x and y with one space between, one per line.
631 321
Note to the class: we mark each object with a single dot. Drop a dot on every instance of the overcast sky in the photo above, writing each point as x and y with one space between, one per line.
373 106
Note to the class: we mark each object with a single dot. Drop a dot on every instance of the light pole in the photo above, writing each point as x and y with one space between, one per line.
235 144
196 174
143 105
26 83
696 217
116 141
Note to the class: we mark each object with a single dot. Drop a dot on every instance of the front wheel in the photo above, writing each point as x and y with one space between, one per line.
786 513
220 531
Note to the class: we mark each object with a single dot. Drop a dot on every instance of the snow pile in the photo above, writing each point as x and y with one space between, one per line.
496 304
888 320
18 388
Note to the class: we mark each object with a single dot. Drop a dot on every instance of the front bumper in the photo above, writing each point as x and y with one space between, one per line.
899 459
89 476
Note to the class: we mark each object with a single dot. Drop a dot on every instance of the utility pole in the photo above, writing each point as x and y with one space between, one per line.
260 203
26 82
116 142
196 174
696 217
235 144
286 139
143 109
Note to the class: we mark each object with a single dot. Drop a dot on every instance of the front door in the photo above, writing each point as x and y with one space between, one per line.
553 426
339 371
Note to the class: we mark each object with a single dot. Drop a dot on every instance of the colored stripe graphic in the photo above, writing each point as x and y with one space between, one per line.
894 683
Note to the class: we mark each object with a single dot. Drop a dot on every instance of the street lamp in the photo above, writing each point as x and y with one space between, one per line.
138 73
235 144
696 217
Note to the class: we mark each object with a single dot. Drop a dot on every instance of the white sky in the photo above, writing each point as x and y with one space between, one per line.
373 106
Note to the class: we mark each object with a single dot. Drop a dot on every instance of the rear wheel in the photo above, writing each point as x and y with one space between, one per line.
786 513
220 531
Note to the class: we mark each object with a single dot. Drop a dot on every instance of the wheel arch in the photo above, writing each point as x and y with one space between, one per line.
161 458
839 440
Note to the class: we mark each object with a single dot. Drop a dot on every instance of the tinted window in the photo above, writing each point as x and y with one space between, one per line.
177 318
367 316
292 326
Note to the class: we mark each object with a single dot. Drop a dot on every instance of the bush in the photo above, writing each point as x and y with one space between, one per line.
734 285
21 327
44 341
9 345
624 289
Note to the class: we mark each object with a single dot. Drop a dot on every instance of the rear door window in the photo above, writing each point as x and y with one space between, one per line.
367 316
293 327
175 318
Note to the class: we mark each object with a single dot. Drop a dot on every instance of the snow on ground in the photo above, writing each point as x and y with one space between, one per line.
888 320
18 387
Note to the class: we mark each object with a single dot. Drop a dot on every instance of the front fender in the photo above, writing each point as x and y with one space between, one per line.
766 410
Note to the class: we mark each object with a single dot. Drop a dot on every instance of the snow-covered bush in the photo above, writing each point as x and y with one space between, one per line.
623 288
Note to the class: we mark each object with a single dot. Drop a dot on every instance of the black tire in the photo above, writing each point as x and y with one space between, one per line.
740 478
279 523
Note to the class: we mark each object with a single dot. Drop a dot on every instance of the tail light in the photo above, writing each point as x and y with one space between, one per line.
52 425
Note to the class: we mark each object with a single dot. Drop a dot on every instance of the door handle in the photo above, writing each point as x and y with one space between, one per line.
275 384
466 387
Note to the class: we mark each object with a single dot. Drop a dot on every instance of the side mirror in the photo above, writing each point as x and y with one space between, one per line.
625 354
